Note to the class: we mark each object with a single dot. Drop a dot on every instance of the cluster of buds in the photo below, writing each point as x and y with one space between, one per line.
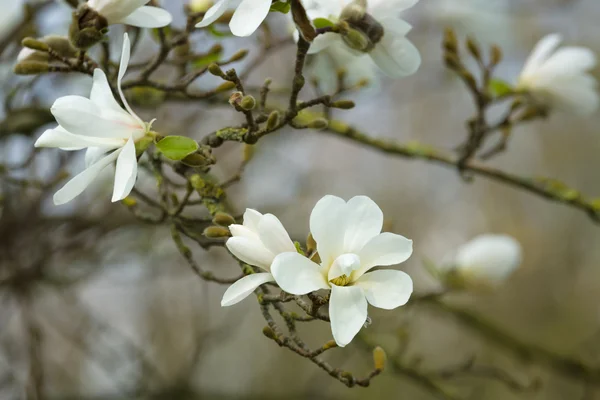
44 55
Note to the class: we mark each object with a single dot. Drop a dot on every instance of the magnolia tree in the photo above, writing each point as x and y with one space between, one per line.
348 260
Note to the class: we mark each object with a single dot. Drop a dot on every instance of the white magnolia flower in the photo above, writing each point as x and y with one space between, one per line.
107 131
131 12
385 42
246 19
349 244
560 78
256 242
487 260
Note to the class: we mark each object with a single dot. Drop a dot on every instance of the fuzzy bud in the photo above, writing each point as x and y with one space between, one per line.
343 104
248 103
240 55
87 28
473 48
216 70
273 120
225 87
318 124
270 333
31 68
496 55
216 232
236 99
450 41
35 44
223 219
379 358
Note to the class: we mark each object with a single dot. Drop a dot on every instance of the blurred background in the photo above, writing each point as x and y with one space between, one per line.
95 304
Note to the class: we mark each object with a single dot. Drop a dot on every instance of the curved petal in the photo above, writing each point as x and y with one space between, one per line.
347 311
244 287
343 265
274 236
251 219
384 249
327 225
248 16
386 289
126 173
148 17
364 220
93 154
125 56
543 49
250 251
397 57
75 186
115 10
242 231
214 13
577 94
103 97
296 274
322 42
80 115
566 62
60 138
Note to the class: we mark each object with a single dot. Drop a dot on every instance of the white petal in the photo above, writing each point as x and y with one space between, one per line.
296 274
214 13
81 116
93 154
322 42
148 17
75 186
60 138
364 220
568 61
125 56
251 219
126 173
489 258
327 225
386 289
102 96
248 16
274 236
244 287
577 94
386 7
115 10
242 231
397 57
540 54
347 311
384 249
250 251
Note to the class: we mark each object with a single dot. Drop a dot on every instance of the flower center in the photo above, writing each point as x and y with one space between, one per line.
340 272
341 280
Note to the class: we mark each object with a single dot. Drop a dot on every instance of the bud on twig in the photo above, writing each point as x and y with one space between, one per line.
239 55
225 87
450 42
248 103
31 68
379 358
216 70
223 219
273 120
302 21
496 55
318 124
34 44
270 333
473 48
216 232
343 104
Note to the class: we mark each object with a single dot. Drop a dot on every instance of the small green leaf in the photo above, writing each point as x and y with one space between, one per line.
499 88
281 7
177 148
322 23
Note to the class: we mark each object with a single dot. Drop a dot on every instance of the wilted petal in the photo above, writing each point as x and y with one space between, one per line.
214 13
364 220
327 225
274 236
126 173
296 274
347 311
384 249
250 251
386 289
148 17
75 186
248 16
244 287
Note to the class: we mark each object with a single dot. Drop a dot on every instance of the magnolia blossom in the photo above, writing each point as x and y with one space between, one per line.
246 19
349 244
131 12
487 260
377 31
256 242
560 77
101 126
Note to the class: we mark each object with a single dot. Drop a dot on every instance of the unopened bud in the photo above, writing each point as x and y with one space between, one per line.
248 103
236 98
496 55
223 219
198 6
270 333
330 345
273 120
248 152
343 104
216 70
87 28
450 41
379 358
216 232
318 124
473 48
452 61
129 201
239 55
34 44
225 87
311 244
31 68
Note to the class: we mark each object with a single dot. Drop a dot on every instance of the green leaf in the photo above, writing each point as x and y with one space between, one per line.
322 23
177 148
499 88
281 7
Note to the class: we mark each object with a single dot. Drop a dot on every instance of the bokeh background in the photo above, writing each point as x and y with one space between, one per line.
106 308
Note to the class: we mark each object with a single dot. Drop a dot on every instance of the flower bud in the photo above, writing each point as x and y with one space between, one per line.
239 55
270 333
343 104
318 124
35 44
473 48
496 55
248 103
198 6
273 120
87 28
216 232
223 219
379 358
450 41
216 70
236 99
225 87
31 68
